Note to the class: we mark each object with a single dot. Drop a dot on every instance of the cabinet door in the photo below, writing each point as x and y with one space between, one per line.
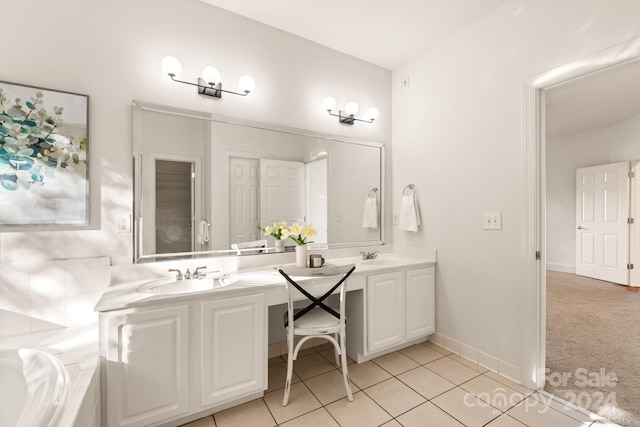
385 308
233 348
420 312
147 366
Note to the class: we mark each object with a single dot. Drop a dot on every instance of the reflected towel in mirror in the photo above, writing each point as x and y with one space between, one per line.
203 232
370 217
409 214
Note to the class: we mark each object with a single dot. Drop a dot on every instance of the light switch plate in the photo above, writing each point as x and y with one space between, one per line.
492 221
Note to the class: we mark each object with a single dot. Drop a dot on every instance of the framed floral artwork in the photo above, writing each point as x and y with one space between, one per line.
44 159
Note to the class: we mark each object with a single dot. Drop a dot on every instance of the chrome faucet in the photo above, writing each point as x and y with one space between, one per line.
197 274
369 255
178 273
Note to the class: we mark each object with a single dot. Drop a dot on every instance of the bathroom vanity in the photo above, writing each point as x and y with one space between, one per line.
169 357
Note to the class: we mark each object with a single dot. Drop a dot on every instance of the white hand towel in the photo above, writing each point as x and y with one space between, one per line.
370 217
409 214
203 232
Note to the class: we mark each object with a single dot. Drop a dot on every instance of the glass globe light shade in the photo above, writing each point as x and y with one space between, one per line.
329 103
171 65
211 75
351 108
372 113
247 84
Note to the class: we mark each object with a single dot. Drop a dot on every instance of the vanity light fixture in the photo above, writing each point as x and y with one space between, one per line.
210 83
347 116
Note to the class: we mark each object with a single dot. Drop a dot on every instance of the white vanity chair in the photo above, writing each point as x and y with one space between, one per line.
316 320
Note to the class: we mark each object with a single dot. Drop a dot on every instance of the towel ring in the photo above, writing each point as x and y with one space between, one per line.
374 191
410 188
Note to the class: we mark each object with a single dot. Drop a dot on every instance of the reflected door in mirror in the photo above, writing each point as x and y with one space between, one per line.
174 206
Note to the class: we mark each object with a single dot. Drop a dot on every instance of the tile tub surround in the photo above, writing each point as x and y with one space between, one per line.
405 388
77 349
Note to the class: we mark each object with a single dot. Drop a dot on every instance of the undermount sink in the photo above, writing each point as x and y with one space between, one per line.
172 286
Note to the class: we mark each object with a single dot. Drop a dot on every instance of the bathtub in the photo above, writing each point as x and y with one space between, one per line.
34 387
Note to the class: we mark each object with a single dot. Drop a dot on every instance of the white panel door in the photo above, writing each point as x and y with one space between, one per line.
602 229
420 318
385 310
244 205
233 348
282 191
147 368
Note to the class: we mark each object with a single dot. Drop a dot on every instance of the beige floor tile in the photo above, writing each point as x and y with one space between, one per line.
426 382
451 370
362 412
511 384
318 418
428 414
505 420
301 401
392 423
394 396
437 348
395 363
276 360
468 363
331 358
494 393
202 422
278 376
466 408
254 413
534 413
422 353
367 374
561 407
311 365
329 387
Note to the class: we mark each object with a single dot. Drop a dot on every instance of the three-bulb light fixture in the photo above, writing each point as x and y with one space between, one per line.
347 116
210 83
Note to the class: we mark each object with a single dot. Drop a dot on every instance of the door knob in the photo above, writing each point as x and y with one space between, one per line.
580 227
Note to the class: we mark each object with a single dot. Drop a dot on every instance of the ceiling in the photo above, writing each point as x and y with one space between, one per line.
384 32
595 102
390 32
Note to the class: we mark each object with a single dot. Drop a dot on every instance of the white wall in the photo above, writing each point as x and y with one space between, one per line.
111 51
564 155
457 135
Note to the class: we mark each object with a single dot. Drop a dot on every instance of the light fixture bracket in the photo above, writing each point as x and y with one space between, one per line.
210 90
346 118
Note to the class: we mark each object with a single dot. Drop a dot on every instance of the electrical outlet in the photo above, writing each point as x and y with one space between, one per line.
123 224
404 83
396 219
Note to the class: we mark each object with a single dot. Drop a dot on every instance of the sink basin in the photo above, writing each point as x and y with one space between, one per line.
173 287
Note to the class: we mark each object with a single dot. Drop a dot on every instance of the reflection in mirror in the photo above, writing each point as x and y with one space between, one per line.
207 185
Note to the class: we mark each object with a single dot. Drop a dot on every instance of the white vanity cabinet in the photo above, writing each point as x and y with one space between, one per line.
147 365
396 309
173 360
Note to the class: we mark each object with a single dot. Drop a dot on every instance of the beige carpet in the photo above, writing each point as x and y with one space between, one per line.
593 345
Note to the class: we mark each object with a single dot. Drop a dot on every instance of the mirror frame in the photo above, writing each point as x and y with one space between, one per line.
143 106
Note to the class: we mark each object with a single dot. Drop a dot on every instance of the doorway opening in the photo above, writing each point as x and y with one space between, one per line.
535 226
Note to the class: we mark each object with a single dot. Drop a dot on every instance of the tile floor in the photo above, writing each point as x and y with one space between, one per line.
422 385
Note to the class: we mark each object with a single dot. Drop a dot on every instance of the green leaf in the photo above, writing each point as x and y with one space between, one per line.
6 119
30 105
76 159
16 112
3 131
30 123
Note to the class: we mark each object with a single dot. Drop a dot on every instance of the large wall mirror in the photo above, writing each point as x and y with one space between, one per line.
206 185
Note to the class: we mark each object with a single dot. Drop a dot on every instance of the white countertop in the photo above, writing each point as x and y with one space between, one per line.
126 295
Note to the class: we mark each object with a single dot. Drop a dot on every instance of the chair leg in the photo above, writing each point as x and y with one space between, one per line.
335 351
287 384
345 372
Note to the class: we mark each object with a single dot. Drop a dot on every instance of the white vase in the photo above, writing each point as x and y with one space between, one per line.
279 245
301 256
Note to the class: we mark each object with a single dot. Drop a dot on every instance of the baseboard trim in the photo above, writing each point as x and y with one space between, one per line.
562 268
474 355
